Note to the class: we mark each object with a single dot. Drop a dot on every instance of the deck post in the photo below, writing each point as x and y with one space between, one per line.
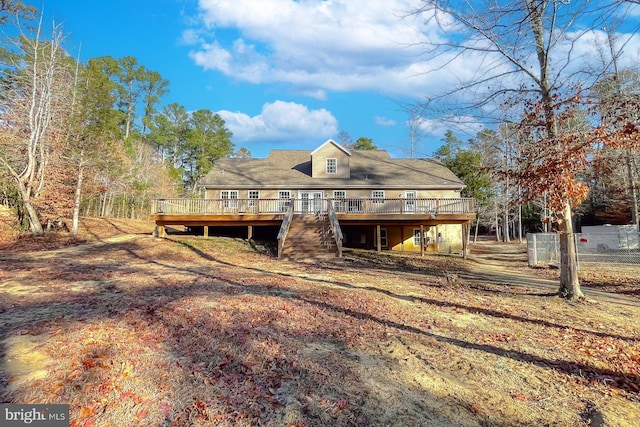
160 232
421 239
249 232
379 244
206 232
464 239
401 238
437 240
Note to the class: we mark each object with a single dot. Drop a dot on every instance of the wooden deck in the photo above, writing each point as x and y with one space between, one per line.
235 212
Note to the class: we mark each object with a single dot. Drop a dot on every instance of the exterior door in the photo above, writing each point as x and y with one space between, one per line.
310 201
409 201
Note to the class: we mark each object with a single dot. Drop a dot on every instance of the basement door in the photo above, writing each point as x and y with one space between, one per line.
310 201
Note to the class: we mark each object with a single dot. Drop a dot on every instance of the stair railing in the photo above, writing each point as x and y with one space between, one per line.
284 228
335 226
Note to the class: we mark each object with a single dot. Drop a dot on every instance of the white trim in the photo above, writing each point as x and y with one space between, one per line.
416 230
346 184
335 166
229 200
410 202
331 141
252 201
339 204
283 201
311 203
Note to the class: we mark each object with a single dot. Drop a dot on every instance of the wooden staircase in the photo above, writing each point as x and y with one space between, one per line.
310 238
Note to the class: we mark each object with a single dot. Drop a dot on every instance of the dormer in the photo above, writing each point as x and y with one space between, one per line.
330 160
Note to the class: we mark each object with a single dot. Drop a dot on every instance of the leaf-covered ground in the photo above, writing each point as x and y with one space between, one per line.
135 331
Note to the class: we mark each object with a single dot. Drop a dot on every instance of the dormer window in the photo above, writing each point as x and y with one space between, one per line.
332 166
328 158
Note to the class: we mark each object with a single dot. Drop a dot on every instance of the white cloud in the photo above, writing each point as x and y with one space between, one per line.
281 121
191 37
383 121
465 126
315 46
212 53
318 47
591 51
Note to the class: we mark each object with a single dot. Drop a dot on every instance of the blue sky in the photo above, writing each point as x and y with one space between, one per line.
282 73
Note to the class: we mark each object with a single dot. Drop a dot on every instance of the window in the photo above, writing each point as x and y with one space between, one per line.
230 198
253 196
338 203
378 194
283 203
383 238
416 237
332 166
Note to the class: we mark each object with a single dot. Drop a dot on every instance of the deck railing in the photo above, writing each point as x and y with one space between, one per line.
284 229
374 206
335 227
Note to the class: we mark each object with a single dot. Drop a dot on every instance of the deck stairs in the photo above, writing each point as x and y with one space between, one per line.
310 239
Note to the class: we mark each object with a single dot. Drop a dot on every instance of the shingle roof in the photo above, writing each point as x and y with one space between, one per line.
292 169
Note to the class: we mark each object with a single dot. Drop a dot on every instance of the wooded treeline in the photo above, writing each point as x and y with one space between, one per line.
612 179
92 136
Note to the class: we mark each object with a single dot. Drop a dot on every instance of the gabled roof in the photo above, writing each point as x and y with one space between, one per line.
331 142
292 169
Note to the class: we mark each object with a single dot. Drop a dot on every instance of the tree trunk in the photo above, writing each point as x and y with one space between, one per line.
25 197
569 282
475 235
520 223
77 199
633 192
505 207
110 207
103 210
505 226
34 222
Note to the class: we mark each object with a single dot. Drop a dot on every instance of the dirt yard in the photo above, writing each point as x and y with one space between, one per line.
136 331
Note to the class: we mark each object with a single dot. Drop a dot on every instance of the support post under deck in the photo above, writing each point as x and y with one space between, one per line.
160 232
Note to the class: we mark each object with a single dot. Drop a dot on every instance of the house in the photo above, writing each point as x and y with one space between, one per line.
331 197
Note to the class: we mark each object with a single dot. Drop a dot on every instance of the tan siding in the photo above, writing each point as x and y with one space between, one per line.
452 234
438 194
362 193
318 162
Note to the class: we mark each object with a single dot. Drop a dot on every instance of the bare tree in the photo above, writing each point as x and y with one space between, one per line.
525 48
29 102
345 139
416 131
618 95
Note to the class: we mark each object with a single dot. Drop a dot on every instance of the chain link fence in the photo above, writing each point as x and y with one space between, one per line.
604 245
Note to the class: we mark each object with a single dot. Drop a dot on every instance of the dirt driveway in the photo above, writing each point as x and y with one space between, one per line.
506 263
